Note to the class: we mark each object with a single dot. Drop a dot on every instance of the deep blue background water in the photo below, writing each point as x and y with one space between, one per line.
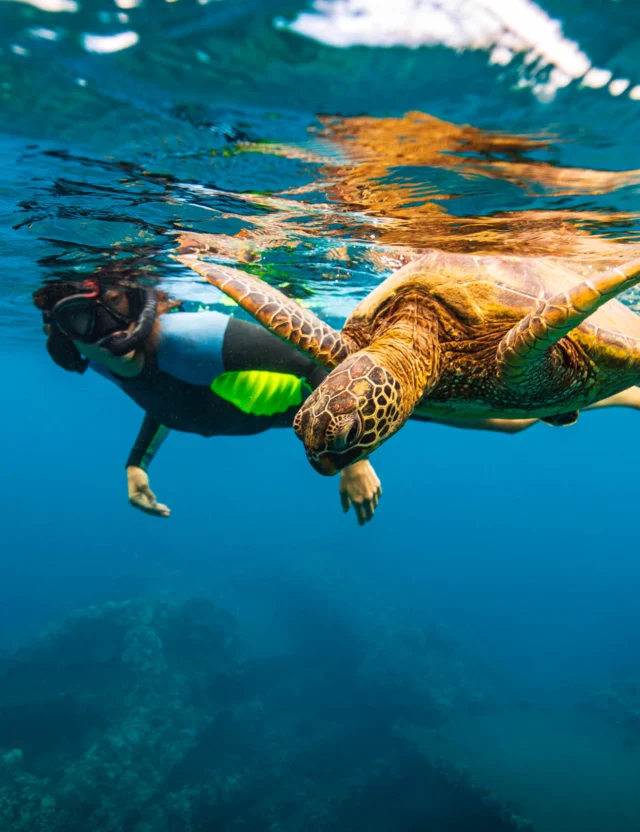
522 549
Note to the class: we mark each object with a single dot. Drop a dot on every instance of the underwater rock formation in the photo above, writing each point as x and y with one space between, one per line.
102 710
143 716
423 679
619 704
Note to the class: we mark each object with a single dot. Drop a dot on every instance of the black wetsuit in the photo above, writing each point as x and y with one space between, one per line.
215 375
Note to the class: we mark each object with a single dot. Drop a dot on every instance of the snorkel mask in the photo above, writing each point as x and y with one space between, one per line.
88 316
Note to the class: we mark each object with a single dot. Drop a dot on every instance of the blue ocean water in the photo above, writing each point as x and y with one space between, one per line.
466 661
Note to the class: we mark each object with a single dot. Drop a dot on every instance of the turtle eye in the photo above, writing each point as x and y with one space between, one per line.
346 436
354 430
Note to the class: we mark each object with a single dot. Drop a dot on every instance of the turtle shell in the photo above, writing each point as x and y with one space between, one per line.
478 290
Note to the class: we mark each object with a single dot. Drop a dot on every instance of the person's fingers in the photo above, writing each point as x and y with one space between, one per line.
148 493
375 499
143 503
139 501
364 512
153 506
345 501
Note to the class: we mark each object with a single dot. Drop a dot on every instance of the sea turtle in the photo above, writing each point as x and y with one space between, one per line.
452 335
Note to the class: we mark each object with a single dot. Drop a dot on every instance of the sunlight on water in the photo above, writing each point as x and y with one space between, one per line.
253 664
332 201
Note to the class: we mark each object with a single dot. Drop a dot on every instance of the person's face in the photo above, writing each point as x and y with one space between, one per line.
117 300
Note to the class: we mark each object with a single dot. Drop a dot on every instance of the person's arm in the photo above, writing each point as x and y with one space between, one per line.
248 346
152 435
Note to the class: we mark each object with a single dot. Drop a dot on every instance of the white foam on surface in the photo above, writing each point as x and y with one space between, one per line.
49 5
105 44
42 33
618 86
597 78
504 28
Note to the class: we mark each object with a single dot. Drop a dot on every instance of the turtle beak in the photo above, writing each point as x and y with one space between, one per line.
324 464
329 464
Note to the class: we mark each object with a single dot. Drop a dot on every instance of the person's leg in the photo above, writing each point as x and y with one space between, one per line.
496 425
627 398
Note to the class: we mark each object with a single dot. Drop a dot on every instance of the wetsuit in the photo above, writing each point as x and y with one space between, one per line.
215 375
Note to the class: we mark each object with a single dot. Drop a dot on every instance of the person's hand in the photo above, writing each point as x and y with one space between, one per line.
360 487
141 496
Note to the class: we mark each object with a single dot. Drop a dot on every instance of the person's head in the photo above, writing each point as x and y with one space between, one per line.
115 317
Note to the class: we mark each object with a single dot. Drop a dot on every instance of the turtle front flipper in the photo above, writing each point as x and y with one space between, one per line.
276 312
528 342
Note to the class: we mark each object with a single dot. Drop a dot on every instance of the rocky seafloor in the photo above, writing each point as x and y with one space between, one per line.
619 704
154 716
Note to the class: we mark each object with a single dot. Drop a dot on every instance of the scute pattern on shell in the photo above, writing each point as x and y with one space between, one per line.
275 311
460 335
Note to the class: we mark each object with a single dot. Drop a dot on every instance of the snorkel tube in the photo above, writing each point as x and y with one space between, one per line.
121 343
53 299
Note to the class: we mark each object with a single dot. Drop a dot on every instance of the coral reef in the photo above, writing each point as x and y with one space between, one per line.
146 716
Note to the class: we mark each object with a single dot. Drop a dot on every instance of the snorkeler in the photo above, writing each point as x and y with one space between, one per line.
204 373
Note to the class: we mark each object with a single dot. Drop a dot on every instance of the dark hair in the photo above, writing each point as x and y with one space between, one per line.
65 353
61 348
46 297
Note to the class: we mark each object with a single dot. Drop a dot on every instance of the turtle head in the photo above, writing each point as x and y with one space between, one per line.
356 408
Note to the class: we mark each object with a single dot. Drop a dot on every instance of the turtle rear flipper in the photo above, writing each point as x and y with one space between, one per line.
276 312
528 342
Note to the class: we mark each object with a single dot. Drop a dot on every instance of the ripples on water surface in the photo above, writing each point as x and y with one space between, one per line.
320 147
321 160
